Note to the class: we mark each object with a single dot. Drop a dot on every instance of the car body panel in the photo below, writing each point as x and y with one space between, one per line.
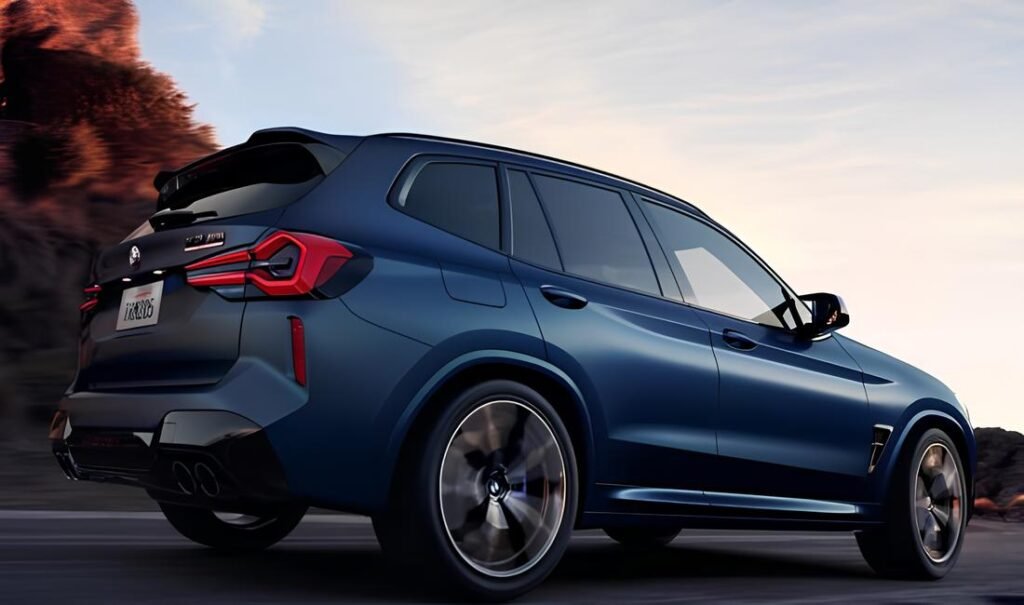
793 417
670 424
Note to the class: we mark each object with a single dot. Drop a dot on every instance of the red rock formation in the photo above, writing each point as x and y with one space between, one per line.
84 126
1000 480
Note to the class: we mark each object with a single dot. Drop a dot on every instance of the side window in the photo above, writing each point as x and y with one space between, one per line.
596 235
531 236
459 198
718 274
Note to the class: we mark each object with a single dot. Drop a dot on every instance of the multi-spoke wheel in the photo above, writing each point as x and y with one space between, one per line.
926 513
939 502
502 488
232 532
486 500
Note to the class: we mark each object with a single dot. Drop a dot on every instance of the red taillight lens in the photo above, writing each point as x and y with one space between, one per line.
91 300
298 350
284 264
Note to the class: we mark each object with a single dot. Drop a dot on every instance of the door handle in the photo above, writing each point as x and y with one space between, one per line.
738 340
563 298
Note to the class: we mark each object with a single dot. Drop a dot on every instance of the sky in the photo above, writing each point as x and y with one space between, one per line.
871 149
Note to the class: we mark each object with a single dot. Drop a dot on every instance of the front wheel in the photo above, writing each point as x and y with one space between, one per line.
230 532
485 501
926 514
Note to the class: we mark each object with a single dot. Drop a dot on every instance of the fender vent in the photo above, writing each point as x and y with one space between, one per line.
879 437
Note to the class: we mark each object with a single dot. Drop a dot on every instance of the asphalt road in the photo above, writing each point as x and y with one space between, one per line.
137 558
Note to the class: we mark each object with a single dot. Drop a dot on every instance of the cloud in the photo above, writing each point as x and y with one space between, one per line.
860 147
240 21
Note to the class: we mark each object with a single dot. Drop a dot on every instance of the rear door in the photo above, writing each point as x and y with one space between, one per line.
644 363
143 324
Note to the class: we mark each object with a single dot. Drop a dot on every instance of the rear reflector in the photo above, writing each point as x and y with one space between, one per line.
298 350
91 300
283 264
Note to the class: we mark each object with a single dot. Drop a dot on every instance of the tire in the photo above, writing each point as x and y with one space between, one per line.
463 514
926 513
232 533
642 538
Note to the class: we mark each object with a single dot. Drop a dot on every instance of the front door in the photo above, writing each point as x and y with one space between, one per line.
792 415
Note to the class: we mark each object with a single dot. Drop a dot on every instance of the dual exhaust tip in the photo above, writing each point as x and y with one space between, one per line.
199 478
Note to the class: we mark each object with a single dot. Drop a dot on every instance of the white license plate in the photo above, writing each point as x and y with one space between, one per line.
140 306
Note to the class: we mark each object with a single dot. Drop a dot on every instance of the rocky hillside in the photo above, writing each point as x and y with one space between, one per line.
1000 482
84 126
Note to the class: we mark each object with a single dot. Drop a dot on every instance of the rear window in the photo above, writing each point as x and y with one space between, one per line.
460 198
249 180
596 235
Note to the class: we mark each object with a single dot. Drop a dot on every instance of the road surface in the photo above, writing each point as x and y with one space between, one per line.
85 558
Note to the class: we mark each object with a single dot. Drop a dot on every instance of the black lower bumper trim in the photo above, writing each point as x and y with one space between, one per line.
213 459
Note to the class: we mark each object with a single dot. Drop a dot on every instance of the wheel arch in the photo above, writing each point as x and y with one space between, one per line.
920 417
474 368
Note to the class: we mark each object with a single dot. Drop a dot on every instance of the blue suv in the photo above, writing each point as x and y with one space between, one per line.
483 349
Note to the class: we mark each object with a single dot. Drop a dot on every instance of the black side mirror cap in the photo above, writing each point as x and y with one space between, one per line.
828 314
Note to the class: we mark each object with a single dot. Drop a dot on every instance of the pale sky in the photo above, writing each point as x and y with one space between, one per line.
871 149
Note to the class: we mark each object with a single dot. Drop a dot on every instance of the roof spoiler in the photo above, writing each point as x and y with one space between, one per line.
342 143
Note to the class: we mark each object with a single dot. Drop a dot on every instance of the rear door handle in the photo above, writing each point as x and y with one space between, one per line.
563 298
738 340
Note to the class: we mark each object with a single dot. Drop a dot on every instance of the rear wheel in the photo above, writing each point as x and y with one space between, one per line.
642 537
231 532
486 500
926 514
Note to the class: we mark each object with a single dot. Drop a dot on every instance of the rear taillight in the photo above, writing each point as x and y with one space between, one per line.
91 298
284 264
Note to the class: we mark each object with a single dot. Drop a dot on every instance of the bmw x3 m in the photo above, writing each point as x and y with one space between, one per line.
483 349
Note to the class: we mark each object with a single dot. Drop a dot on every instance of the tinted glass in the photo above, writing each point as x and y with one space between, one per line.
248 180
531 236
720 275
596 234
459 198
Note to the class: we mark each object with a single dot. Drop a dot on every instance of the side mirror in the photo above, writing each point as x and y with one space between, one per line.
828 313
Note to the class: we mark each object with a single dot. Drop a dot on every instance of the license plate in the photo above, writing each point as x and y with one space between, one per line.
140 306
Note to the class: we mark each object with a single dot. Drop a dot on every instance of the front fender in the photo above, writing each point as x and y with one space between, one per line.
926 413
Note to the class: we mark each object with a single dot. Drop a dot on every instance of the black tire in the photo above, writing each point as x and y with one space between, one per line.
642 538
204 527
901 549
463 552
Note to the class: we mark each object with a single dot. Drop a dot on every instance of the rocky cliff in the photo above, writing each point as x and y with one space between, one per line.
84 126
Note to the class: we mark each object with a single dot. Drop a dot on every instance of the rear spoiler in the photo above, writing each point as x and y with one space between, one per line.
328 150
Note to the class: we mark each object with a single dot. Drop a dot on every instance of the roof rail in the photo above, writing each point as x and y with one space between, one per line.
440 139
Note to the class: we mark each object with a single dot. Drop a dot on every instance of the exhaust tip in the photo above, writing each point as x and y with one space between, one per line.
207 480
186 483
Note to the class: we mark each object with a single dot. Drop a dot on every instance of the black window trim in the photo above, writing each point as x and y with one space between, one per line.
505 169
626 198
417 162
640 201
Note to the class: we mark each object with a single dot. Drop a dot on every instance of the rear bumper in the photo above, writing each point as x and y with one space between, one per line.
208 458
176 442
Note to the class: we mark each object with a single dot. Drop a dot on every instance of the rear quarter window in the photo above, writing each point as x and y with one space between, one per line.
458 197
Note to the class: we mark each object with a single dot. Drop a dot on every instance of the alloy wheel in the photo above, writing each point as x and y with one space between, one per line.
502 488
938 503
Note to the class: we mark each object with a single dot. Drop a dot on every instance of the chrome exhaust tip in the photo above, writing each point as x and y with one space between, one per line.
207 480
186 483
